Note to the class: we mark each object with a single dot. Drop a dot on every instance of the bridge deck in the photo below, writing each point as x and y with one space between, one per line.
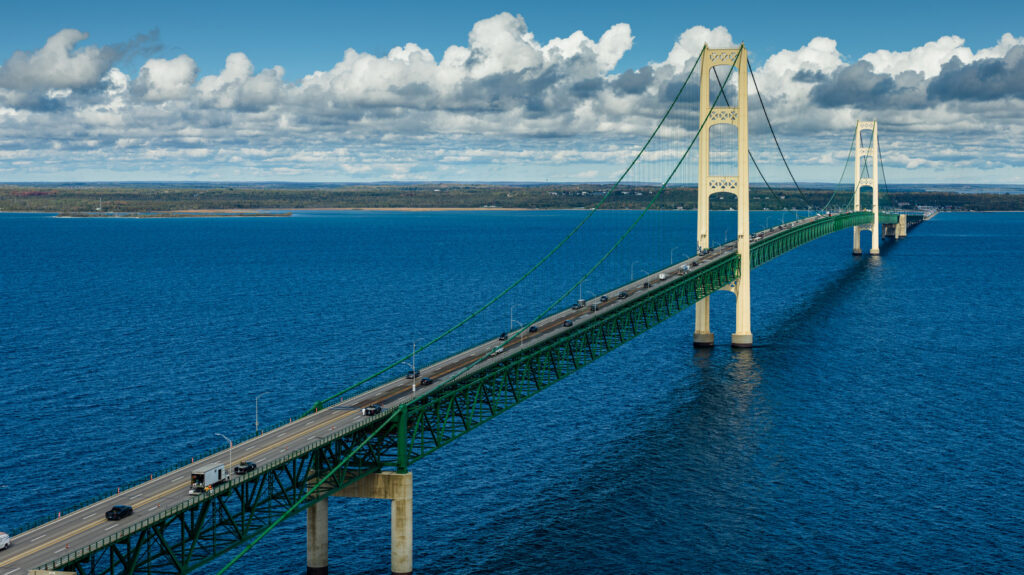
47 544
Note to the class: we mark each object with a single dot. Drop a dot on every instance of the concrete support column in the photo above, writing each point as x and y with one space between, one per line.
316 539
874 188
702 336
742 337
401 527
398 488
866 177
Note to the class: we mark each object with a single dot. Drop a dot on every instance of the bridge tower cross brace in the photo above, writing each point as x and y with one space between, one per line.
738 185
861 180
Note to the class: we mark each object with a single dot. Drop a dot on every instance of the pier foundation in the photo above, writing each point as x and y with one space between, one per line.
398 488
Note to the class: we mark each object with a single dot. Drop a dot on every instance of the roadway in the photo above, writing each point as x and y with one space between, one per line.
85 526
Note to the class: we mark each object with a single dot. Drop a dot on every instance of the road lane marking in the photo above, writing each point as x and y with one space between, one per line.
37 538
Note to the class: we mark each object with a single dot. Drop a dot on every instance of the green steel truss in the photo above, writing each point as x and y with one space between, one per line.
195 533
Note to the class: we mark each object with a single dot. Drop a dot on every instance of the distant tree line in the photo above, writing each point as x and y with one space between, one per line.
152 198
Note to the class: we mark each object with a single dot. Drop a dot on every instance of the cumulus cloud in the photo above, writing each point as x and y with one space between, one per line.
61 67
161 79
58 64
502 102
983 79
237 87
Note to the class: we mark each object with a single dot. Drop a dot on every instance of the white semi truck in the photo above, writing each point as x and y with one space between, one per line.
204 478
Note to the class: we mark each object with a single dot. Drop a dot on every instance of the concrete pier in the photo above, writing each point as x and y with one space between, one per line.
703 339
316 539
398 488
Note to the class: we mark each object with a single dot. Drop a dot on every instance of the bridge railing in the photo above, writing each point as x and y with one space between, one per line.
216 491
135 483
786 239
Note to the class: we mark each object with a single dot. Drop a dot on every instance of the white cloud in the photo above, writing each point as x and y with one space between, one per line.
57 65
161 80
690 43
502 104
237 87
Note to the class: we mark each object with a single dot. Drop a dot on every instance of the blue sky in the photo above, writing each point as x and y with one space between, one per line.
265 90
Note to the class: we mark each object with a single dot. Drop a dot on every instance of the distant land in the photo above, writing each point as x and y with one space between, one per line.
154 197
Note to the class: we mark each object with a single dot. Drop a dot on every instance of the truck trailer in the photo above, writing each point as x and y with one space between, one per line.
204 478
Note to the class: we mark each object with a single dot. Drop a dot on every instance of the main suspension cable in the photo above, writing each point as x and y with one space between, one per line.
622 238
843 175
721 88
544 259
765 110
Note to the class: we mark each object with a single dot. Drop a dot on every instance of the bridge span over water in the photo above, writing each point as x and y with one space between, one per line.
336 450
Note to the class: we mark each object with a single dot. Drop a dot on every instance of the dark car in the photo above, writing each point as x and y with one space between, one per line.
647 284
567 323
623 295
373 409
576 306
503 336
604 298
426 381
533 329
595 306
412 374
119 512
244 467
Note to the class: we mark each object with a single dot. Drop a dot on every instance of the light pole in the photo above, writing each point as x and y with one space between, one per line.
258 410
522 332
631 269
510 308
230 445
671 255
413 365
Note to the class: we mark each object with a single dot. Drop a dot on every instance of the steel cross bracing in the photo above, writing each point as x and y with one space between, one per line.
196 532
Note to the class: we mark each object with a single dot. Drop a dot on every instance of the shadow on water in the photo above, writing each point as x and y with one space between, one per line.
674 466
827 295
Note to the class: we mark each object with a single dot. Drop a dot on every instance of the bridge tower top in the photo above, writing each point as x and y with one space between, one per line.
711 114
866 177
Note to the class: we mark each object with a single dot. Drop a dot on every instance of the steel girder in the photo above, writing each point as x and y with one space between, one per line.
197 532
461 405
763 250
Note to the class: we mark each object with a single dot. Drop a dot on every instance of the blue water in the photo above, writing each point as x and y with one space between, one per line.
878 426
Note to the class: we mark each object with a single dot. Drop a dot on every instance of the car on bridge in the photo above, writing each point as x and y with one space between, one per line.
503 336
533 329
5 541
623 295
373 409
244 467
567 323
412 374
604 298
119 512
426 381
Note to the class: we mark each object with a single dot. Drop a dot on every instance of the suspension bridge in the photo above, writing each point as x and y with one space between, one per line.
361 441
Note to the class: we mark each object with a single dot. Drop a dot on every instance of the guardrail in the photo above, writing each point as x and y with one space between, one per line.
64 560
164 471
